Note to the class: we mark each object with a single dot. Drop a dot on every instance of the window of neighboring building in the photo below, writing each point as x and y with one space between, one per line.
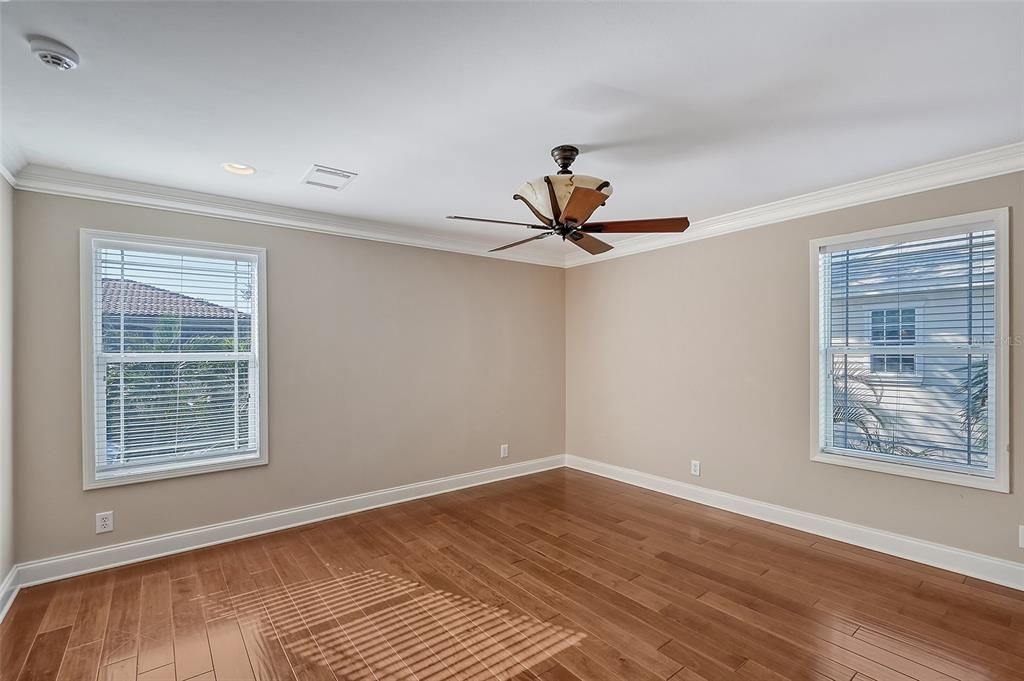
896 327
940 288
173 339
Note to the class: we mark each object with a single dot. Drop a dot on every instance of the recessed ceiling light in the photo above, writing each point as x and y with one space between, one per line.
238 168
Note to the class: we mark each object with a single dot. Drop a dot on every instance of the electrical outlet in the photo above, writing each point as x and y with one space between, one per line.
504 452
694 467
1021 537
104 522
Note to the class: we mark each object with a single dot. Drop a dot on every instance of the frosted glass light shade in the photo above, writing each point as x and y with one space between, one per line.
537 196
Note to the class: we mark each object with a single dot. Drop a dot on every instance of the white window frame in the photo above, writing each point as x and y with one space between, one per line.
997 220
90 240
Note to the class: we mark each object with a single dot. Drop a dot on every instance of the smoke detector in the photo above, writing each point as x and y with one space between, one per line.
326 177
54 54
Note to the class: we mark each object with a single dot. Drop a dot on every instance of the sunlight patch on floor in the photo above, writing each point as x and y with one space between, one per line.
397 628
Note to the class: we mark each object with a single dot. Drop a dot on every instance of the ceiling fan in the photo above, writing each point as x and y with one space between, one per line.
564 202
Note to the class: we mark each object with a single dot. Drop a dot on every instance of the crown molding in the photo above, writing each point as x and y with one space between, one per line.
47 180
7 174
976 166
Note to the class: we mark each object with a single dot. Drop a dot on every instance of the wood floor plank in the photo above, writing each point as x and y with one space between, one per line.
164 673
900 627
284 563
338 627
124 670
444 625
91 619
230 661
489 627
191 644
156 640
622 639
836 647
460 634
211 581
921 655
299 644
45 656
236 577
451 638
917 623
18 630
557 576
63 609
253 555
121 638
306 558
181 565
81 663
262 644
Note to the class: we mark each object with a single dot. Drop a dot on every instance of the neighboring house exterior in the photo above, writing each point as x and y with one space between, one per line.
201 402
155 316
888 398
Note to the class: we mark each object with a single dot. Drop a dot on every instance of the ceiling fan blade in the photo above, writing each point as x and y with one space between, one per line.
639 226
497 222
581 205
517 243
590 244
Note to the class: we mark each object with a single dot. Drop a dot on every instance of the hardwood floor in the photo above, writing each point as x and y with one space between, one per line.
555 576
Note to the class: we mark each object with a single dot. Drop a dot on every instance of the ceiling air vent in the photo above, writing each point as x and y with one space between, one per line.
325 177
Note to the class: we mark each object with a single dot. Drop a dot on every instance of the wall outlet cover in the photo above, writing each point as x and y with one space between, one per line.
504 452
104 522
694 467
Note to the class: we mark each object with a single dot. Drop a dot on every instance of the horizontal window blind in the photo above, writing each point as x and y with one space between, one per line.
176 357
908 346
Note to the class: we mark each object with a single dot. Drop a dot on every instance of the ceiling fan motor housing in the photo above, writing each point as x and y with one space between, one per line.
564 155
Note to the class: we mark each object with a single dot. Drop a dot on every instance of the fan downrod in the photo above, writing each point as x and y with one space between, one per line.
564 155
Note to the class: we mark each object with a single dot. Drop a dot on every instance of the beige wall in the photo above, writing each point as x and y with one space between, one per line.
6 364
702 351
388 365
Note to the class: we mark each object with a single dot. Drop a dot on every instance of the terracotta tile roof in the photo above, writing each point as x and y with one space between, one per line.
142 300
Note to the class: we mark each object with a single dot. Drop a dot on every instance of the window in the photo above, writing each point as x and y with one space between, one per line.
926 301
893 327
173 342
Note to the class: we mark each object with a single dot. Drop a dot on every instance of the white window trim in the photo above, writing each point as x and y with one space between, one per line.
997 219
87 244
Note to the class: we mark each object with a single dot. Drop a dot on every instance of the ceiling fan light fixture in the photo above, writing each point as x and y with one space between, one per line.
538 193
564 203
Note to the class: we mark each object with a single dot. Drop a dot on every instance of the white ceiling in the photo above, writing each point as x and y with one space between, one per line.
689 109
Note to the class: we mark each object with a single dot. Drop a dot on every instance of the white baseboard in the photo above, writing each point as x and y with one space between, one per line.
68 565
8 590
1007 573
997 570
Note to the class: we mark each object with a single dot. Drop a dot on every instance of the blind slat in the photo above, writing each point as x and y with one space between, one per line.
908 334
175 355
